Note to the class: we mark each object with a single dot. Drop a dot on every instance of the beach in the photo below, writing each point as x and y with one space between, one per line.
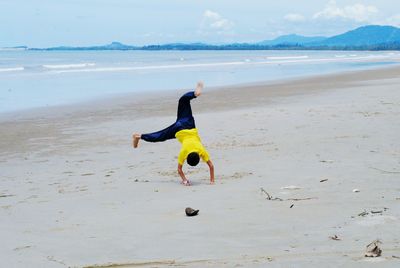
307 174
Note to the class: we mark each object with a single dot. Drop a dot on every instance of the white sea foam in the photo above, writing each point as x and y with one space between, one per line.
68 66
14 69
283 60
153 67
288 58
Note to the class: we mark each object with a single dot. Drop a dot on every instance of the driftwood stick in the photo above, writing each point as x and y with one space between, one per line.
269 197
6 195
385 171
301 199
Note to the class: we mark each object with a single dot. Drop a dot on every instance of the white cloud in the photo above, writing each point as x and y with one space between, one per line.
356 12
213 20
294 17
393 20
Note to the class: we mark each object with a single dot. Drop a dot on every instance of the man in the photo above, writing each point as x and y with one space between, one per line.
184 129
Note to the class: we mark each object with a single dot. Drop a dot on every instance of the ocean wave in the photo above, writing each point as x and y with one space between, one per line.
153 67
288 57
336 59
284 60
68 66
13 69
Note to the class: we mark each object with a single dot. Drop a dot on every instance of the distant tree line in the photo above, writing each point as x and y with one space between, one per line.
237 46
386 46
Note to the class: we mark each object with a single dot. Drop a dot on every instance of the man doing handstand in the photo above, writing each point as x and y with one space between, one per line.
184 129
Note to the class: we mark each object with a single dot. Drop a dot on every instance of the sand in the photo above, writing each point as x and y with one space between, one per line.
74 193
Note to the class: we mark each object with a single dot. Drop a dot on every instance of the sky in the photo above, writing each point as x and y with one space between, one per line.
47 23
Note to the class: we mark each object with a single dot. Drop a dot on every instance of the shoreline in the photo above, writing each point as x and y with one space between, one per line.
125 99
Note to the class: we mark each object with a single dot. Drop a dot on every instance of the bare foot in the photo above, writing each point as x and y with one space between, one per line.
136 138
199 88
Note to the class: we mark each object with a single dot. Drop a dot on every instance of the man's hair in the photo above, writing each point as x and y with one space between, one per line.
193 159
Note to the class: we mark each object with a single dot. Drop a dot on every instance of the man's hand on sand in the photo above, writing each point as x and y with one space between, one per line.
186 182
199 88
135 141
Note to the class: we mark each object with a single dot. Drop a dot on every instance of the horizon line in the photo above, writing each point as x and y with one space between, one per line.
186 42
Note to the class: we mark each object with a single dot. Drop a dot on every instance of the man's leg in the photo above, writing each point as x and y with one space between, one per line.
184 108
184 120
162 135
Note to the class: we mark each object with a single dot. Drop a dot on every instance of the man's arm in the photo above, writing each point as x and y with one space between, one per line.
180 171
211 166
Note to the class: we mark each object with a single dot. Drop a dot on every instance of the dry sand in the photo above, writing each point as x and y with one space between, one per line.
73 193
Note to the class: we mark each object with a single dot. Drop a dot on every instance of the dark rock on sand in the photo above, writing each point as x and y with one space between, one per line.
191 212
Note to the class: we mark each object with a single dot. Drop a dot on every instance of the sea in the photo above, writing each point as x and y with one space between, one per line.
34 79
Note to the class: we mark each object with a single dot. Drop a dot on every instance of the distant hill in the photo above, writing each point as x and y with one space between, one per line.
371 37
112 46
14 48
363 36
118 45
293 39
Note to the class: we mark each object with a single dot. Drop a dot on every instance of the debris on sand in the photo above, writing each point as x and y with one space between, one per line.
301 199
323 180
291 187
386 171
362 214
190 212
335 237
326 161
376 211
6 195
373 249
372 212
356 190
269 197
